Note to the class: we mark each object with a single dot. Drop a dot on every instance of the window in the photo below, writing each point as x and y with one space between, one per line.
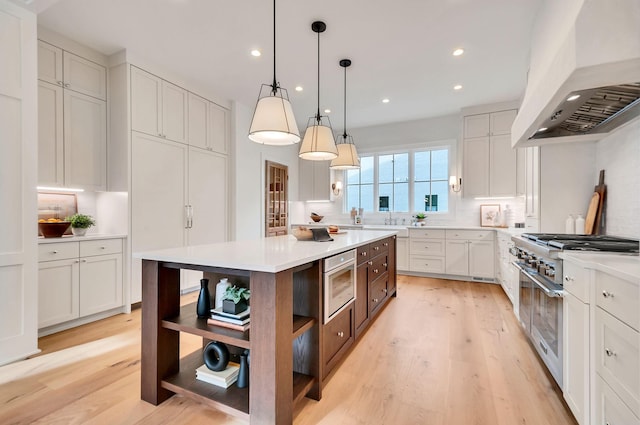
415 180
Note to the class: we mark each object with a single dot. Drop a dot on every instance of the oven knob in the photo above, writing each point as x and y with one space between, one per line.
550 272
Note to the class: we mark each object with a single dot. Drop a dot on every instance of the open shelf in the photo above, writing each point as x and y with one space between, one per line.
301 385
301 324
232 400
188 322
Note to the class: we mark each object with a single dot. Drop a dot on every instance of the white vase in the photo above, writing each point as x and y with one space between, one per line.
78 231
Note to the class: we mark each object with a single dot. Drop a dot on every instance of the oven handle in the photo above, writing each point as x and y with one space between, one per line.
340 267
549 291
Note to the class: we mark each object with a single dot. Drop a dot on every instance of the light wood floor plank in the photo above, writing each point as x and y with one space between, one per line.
442 353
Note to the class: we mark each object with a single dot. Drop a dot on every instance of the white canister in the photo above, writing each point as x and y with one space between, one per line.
580 225
570 225
221 287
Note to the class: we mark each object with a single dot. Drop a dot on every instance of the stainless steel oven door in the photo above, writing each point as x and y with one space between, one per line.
339 289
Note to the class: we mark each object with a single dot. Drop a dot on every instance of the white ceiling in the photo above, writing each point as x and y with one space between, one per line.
400 49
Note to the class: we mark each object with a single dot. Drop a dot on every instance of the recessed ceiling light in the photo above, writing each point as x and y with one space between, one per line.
572 98
458 52
327 111
256 53
457 87
541 129
299 88
385 100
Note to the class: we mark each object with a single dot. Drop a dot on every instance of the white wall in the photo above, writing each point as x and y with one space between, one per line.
249 158
619 156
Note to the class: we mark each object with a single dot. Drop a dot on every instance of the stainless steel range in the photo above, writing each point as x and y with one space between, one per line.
540 276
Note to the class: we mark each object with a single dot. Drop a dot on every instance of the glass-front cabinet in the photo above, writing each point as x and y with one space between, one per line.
276 199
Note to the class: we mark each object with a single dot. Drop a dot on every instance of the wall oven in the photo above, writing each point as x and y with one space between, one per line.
339 283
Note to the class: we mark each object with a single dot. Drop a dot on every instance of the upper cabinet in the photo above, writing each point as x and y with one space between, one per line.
158 107
314 184
489 162
72 120
207 125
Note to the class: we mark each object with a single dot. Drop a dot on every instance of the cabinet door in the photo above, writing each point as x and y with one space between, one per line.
314 182
207 197
402 253
100 283
146 94
174 112
457 258
475 167
58 292
481 259
502 166
532 182
85 141
218 128
338 337
361 303
50 135
575 379
476 126
83 76
502 121
158 201
197 121
50 63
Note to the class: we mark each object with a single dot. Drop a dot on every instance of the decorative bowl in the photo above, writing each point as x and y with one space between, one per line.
302 233
53 229
316 218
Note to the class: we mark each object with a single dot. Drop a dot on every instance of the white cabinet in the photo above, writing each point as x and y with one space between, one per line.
427 250
158 107
489 162
532 186
314 184
207 125
78 279
506 273
470 253
402 254
72 132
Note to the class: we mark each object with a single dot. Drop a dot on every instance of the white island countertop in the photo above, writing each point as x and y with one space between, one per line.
624 266
269 255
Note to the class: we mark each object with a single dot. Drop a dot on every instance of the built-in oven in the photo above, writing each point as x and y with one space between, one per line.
540 312
339 283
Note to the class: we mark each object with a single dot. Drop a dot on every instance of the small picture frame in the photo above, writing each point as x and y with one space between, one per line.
489 214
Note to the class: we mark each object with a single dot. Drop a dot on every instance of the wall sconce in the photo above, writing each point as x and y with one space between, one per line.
336 188
455 183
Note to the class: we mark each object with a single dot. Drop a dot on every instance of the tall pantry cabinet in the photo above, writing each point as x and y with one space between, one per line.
177 142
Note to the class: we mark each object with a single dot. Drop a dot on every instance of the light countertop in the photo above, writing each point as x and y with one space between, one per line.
623 266
269 255
400 227
72 238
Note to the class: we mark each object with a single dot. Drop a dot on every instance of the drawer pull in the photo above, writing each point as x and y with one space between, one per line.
607 294
385 290
384 264
568 279
610 353
375 300
370 263
364 254
84 261
103 247
341 334
77 261
386 244
375 270
54 252
376 248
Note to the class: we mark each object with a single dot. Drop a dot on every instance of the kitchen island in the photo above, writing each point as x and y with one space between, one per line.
286 334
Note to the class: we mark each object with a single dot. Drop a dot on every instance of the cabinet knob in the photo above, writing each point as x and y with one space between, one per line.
341 334
376 248
60 83
375 300
84 261
67 84
607 294
609 353
385 290
568 279
375 270
370 263
54 252
426 264
364 253
77 261
386 244
103 247
384 264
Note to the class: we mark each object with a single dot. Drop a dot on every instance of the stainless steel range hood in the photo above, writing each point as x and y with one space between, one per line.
596 64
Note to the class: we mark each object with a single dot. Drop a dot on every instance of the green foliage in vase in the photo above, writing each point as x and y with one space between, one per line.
81 221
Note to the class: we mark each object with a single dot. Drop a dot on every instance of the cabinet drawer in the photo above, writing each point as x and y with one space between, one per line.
338 336
418 263
618 358
362 254
609 408
378 247
379 294
575 281
58 251
470 235
619 297
378 267
100 247
426 233
427 246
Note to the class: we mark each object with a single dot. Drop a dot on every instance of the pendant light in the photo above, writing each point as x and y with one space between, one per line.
273 122
347 155
318 143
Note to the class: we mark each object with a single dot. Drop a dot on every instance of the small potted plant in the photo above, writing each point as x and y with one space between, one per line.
235 299
420 217
80 223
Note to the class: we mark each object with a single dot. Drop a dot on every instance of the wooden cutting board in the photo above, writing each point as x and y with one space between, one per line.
601 189
590 220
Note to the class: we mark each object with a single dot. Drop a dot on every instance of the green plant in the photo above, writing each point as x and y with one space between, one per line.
81 221
236 294
420 215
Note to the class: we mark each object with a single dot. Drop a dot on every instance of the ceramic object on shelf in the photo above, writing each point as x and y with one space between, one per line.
228 306
216 356
203 306
79 231
53 229
243 373
221 287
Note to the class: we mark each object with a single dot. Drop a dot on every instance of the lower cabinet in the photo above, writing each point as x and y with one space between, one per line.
575 379
470 253
609 408
338 336
78 279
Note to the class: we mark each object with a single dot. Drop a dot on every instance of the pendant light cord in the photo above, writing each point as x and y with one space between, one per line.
274 86
318 113
344 134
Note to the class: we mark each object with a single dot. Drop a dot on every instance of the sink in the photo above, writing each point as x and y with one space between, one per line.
403 231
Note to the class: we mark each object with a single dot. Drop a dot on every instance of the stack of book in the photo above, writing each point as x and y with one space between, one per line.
239 322
223 379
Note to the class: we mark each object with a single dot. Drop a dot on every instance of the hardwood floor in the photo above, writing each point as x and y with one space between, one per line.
442 352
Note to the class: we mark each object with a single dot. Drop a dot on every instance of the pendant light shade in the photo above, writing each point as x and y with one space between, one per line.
273 122
347 155
318 143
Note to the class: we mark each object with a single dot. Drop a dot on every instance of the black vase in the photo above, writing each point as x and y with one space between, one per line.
243 373
203 307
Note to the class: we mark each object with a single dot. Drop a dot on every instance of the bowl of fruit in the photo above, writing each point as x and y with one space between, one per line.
52 227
